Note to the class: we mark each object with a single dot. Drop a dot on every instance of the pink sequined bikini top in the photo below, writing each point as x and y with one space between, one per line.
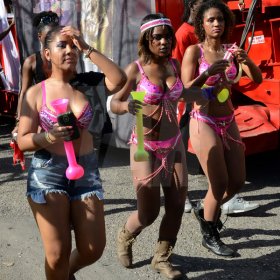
48 117
154 93
204 65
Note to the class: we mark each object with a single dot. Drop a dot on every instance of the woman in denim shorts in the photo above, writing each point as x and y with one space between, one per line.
59 204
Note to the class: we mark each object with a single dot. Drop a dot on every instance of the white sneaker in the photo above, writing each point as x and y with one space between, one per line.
238 205
188 205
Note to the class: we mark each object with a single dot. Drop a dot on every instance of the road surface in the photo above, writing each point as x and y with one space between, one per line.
255 234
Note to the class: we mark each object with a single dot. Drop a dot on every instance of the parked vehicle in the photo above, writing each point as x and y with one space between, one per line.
257 107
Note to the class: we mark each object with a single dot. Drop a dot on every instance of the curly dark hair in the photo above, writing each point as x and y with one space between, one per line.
228 18
143 42
52 20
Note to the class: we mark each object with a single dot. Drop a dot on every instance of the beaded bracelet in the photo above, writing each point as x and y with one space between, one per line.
207 73
89 51
47 137
208 93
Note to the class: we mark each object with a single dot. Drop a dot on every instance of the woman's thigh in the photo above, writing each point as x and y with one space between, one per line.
147 189
142 170
209 149
89 224
53 220
176 175
176 184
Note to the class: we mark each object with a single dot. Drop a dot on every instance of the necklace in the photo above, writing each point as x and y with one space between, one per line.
220 50
213 50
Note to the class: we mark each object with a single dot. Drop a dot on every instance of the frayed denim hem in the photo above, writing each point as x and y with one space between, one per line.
39 195
99 194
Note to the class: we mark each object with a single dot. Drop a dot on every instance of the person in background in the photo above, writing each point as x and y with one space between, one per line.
185 37
35 67
59 204
156 73
214 134
2 36
6 32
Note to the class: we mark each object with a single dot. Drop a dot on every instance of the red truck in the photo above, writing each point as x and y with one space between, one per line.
257 107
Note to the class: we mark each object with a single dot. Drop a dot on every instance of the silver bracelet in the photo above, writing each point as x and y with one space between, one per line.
89 51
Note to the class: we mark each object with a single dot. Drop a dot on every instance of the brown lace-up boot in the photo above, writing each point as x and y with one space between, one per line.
161 262
125 241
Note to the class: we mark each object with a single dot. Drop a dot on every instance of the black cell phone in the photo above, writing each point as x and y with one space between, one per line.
69 119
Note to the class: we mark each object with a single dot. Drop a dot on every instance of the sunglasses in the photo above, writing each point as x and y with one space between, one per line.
158 37
49 19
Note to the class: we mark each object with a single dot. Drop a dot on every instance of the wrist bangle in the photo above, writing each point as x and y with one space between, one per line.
207 73
89 51
47 137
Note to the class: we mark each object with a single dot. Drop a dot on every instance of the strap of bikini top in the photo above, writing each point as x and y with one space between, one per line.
140 67
174 66
43 92
201 51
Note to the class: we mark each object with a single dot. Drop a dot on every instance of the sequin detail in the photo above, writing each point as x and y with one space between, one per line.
48 117
204 65
154 93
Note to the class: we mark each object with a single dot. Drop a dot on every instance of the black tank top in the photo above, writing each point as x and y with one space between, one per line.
39 74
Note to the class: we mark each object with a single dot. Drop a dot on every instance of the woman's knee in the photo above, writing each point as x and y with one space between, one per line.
218 190
235 186
93 252
176 210
146 219
58 258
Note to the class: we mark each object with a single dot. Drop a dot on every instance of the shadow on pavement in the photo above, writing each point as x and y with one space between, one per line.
129 205
232 268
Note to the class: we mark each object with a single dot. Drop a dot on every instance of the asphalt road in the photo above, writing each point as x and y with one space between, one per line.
255 234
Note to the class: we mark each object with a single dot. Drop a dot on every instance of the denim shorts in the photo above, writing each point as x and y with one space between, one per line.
47 175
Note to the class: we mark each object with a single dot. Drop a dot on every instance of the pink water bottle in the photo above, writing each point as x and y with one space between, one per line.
74 171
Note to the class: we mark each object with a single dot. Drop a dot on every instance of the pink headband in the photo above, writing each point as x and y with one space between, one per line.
155 22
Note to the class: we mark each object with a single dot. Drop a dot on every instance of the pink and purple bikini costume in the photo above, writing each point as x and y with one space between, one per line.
48 117
218 124
156 96
46 173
